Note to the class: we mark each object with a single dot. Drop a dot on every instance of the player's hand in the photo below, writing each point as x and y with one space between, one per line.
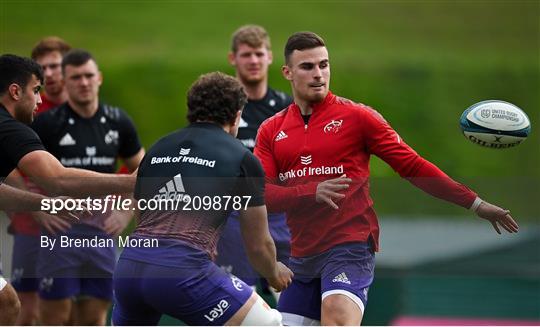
51 223
497 217
328 191
282 279
117 222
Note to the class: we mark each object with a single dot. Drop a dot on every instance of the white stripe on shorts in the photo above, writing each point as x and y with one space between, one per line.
348 294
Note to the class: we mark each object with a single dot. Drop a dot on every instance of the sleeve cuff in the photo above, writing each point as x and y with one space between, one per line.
477 202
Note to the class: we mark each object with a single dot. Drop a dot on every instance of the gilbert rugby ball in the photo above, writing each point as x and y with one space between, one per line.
495 124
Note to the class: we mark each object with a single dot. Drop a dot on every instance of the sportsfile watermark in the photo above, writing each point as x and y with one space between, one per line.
182 202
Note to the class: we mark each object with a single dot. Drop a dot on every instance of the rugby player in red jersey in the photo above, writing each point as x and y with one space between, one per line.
315 154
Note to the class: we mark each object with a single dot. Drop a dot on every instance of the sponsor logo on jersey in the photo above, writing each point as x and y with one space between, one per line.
184 152
280 136
305 160
173 190
311 171
237 283
112 137
217 311
67 140
333 126
341 278
91 151
183 159
243 123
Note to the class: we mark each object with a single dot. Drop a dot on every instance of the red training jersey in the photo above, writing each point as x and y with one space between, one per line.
338 139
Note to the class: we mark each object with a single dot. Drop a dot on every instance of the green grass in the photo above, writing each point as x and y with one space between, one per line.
419 63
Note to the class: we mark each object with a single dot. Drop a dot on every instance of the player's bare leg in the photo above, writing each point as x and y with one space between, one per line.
92 311
9 302
55 312
29 313
340 310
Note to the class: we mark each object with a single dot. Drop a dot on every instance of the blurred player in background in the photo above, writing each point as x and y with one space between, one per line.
251 55
177 277
87 134
319 174
24 226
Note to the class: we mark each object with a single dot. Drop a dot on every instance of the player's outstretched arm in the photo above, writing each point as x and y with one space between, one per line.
498 217
260 247
46 171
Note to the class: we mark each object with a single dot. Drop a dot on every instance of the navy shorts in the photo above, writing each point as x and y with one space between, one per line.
196 291
231 254
67 272
344 269
24 276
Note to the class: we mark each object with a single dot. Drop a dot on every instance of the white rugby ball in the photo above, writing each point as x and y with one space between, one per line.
495 124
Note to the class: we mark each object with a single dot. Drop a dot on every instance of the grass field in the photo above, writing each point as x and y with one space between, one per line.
420 63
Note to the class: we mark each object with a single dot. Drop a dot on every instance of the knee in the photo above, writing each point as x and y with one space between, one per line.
11 306
339 310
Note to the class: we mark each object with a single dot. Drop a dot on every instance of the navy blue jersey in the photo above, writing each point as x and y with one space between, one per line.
257 111
205 171
16 140
89 143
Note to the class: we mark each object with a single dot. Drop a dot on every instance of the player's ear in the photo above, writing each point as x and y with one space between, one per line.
15 91
231 59
286 71
237 118
100 78
270 57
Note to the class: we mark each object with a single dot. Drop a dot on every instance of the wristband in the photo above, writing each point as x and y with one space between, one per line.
477 202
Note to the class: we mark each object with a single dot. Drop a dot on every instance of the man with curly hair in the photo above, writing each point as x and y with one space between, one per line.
202 163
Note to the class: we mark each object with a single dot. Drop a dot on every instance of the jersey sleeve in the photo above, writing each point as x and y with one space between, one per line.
17 140
251 181
129 139
278 198
384 142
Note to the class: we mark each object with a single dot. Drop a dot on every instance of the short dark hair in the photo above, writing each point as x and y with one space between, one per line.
48 45
215 97
302 41
18 70
76 57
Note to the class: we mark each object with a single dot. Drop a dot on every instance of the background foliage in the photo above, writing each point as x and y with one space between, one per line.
419 63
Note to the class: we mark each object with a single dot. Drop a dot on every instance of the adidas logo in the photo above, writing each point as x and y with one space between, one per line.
67 140
281 135
341 278
305 160
173 189
184 152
